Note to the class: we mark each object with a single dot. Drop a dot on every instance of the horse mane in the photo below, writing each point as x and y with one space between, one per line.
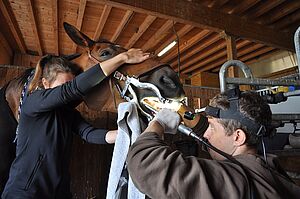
23 78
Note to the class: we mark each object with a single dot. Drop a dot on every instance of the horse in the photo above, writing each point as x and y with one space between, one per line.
100 97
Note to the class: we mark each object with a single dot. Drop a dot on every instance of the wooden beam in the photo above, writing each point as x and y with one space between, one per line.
183 47
243 6
195 52
122 25
286 21
231 54
55 20
217 4
279 12
180 33
241 52
231 47
263 8
263 56
81 9
206 64
254 57
13 24
6 45
214 63
256 53
159 34
202 52
143 27
32 18
102 21
193 13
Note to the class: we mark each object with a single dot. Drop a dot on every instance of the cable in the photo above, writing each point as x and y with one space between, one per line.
188 131
178 50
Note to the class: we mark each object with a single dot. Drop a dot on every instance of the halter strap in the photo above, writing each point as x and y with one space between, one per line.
22 99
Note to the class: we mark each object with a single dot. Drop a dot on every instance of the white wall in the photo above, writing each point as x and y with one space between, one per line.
280 61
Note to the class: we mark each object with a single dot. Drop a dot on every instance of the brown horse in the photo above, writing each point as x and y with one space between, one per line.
100 98
159 74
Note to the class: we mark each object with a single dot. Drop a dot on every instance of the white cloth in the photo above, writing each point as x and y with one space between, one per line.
129 129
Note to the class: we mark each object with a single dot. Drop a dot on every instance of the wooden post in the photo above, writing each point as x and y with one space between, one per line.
231 53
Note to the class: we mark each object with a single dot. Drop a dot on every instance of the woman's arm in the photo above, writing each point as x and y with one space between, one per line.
132 56
48 99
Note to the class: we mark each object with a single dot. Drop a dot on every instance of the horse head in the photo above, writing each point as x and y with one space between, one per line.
106 96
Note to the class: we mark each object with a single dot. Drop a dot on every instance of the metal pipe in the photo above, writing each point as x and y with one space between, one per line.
265 82
245 69
292 93
297 46
285 117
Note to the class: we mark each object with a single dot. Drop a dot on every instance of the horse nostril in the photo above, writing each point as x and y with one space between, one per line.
168 82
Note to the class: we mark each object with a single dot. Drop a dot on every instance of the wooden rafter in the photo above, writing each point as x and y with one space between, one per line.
204 54
55 19
81 9
217 3
5 44
266 52
159 34
280 12
256 53
143 27
186 58
34 27
265 56
206 64
122 25
183 47
263 8
102 21
201 16
180 33
13 25
219 62
286 21
243 6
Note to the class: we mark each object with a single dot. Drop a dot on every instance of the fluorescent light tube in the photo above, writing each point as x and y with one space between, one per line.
166 49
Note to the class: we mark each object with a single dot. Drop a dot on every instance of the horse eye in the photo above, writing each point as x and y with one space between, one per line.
105 53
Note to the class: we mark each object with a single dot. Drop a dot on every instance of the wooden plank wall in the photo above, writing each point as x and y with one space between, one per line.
26 60
199 96
6 53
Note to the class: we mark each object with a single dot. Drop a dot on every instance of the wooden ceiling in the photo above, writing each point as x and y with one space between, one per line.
204 27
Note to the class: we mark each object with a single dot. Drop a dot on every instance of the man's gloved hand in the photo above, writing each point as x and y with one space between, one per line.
168 119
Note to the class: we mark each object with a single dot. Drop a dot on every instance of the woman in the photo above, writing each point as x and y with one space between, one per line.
47 122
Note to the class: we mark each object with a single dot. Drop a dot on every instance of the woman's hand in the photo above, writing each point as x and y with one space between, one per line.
135 56
132 56
111 136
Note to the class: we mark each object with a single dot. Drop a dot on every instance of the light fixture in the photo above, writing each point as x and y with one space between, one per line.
166 49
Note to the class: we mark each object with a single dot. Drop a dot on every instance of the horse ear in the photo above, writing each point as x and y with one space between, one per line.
78 37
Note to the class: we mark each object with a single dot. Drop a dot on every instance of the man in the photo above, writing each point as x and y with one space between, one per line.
237 122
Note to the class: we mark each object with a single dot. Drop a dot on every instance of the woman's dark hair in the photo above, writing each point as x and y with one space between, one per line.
252 106
48 67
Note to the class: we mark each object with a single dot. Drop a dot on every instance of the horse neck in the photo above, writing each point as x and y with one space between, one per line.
83 61
100 96
12 95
